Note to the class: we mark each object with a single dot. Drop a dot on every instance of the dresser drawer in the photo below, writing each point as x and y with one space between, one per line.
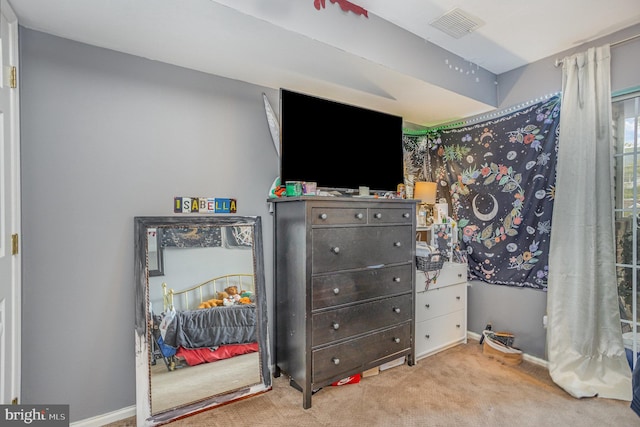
390 215
343 248
358 319
439 301
339 216
433 334
340 288
361 215
333 361
450 274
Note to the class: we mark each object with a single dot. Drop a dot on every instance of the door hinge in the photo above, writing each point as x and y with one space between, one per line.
14 244
14 401
13 78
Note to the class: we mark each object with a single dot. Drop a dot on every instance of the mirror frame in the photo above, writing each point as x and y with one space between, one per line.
159 257
143 331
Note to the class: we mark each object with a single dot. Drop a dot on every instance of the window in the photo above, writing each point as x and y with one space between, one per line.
626 132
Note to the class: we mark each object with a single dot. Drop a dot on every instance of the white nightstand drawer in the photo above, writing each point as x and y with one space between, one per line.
450 274
440 332
439 301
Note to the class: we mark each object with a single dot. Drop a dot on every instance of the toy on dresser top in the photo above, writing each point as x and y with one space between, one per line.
303 188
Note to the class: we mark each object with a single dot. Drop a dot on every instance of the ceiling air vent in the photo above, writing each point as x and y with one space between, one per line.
457 23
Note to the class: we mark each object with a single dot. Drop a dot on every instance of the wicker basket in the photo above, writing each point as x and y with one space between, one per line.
429 263
497 350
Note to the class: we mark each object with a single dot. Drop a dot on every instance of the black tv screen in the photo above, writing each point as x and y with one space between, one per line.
338 146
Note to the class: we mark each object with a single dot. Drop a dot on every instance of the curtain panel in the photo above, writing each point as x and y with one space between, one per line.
584 338
498 178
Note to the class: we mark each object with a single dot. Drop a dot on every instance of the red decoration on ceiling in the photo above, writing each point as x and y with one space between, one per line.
345 5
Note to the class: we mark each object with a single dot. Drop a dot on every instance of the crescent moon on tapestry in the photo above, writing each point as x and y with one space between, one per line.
488 216
484 135
274 127
488 272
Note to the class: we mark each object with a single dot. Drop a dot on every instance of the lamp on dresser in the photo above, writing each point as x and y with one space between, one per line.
426 193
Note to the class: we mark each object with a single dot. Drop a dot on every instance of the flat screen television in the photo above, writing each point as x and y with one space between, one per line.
339 146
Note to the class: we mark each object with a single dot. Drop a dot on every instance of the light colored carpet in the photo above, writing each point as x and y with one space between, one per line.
457 387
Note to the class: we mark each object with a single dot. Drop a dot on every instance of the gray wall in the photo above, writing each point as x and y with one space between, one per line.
108 136
521 310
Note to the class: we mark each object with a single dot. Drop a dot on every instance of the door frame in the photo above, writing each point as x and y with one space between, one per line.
11 353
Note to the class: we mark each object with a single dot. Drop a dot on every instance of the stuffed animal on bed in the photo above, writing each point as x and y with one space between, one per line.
214 302
247 295
233 292
207 304
211 303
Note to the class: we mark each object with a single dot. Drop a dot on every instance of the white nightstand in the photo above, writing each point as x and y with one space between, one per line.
441 310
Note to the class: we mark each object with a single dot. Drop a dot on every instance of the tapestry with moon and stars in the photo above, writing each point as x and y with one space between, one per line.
498 177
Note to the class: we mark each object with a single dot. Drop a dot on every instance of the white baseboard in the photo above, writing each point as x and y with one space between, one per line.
103 419
525 356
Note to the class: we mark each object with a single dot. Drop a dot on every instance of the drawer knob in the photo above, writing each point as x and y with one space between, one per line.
458 298
336 326
427 305
335 250
396 279
335 361
359 215
336 291
397 244
458 326
405 215
396 309
323 216
396 340
377 215
459 274
427 336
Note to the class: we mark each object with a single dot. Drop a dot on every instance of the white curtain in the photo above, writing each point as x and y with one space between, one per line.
584 338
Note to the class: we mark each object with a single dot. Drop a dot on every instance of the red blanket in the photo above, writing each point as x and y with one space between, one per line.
204 355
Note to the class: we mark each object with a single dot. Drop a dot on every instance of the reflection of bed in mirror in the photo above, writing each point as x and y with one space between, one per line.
211 321
196 349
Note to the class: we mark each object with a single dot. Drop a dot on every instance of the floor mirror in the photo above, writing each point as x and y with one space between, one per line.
201 334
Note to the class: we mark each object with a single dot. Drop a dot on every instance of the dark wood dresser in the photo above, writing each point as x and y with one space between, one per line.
345 287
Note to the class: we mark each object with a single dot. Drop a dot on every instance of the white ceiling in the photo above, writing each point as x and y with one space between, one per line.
289 43
515 32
